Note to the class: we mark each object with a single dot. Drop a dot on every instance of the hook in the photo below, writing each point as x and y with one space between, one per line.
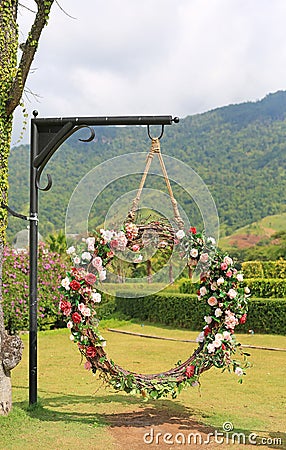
159 137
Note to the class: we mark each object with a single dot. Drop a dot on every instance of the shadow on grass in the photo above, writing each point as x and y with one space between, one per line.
150 414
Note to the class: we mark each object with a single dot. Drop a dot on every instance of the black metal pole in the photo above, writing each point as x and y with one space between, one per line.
47 134
33 243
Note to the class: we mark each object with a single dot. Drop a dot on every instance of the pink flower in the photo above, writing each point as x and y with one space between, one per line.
243 318
90 243
90 278
212 301
76 317
204 257
228 260
97 262
232 293
190 370
135 248
87 365
223 266
228 273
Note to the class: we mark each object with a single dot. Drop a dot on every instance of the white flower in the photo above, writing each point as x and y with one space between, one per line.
226 335
218 312
208 319
217 343
107 235
220 281
70 324
71 250
90 243
194 252
76 260
211 347
214 286
66 283
95 297
86 256
71 337
232 293
218 337
211 240
247 290
180 234
201 337
138 259
228 260
239 277
102 275
203 291
238 371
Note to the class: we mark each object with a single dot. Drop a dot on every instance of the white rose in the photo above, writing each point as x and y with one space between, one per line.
220 281
71 250
95 297
211 347
194 253
239 277
232 293
247 290
203 291
102 275
208 319
201 337
238 371
180 234
66 283
76 260
86 256
218 312
228 260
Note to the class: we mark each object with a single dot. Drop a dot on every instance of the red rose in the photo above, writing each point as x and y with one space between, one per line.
190 370
91 351
75 285
90 278
76 317
243 318
193 230
207 330
223 347
65 307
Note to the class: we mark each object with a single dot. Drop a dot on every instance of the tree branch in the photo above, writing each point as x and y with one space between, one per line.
29 50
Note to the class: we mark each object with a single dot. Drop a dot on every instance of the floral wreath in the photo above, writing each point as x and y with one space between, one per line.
221 288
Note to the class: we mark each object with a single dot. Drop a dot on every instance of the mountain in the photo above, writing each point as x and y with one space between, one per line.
239 151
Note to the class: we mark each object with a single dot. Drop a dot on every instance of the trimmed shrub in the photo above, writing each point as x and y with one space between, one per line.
51 269
186 311
267 288
264 269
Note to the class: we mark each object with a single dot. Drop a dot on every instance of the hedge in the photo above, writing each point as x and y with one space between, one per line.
264 269
259 287
186 311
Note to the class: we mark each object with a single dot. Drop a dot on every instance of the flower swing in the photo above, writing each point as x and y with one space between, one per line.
221 289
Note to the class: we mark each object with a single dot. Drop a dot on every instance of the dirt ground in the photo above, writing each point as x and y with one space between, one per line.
160 430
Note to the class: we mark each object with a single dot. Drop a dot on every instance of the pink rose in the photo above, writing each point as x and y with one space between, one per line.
90 278
190 370
243 319
228 273
223 266
135 248
97 262
204 257
212 301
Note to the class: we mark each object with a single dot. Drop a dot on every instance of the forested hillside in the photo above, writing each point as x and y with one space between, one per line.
238 150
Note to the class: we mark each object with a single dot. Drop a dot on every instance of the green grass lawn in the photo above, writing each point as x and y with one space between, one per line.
75 407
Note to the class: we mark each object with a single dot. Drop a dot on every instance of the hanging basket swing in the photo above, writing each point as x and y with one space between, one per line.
221 289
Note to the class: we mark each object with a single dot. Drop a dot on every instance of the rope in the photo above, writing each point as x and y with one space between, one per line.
155 149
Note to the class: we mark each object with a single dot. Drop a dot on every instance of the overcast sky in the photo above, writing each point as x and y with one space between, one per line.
133 57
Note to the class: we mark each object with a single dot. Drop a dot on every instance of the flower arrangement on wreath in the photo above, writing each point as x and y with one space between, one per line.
221 289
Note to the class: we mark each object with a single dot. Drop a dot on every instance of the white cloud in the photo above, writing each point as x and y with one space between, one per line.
158 57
